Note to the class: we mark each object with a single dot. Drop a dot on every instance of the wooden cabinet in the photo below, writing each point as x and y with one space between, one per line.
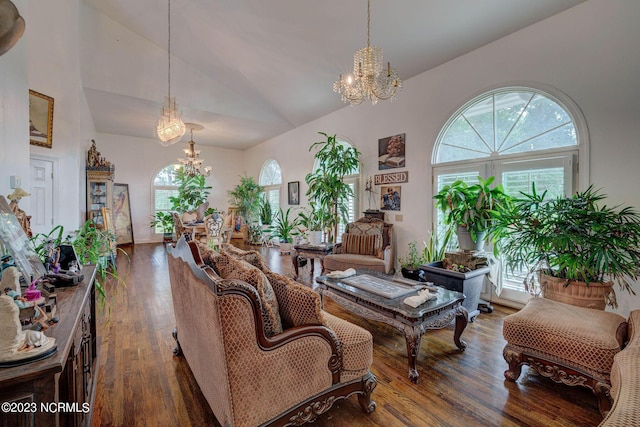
99 193
58 390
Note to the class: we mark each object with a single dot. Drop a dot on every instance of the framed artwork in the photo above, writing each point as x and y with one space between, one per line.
122 214
40 119
391 152
390 197
294 192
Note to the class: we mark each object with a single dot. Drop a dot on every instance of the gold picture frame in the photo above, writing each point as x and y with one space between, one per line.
40 119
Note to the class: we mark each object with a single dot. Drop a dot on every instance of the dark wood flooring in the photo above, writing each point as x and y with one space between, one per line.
141 383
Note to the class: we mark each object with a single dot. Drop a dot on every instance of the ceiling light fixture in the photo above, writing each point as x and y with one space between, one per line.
369 81
170 127
193 163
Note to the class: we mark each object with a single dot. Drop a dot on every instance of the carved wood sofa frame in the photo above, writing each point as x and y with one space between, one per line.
188 270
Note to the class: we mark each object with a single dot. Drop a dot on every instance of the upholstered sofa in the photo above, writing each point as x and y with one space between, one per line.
259 345
366 244
625 380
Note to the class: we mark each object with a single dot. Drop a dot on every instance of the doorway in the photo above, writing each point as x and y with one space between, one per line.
41 200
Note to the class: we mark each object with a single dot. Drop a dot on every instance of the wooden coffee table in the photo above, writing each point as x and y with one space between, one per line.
310 252
412 322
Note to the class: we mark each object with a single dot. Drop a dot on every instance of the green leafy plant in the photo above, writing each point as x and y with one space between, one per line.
576 238
283 227
266 214
413 259
192 192
471 206
327 188
312 218
164 221
93 245
247 196
436 247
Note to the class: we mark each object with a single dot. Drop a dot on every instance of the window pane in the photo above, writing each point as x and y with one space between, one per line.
270 173
166 177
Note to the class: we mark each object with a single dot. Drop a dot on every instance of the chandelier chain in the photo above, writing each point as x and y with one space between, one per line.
169 46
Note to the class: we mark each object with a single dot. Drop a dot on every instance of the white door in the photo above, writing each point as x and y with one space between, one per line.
41 198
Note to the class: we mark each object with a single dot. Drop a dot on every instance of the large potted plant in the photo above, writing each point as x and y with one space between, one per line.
468 208
570 246
284 229
327 188
163 221
248 197
312 219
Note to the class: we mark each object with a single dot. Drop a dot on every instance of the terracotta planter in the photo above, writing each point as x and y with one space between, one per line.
594 295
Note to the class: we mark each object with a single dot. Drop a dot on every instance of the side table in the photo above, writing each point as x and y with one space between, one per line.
311 252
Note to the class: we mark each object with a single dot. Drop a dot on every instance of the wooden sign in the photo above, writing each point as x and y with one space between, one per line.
391 178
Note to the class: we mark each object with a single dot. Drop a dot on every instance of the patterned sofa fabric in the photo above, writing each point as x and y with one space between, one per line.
317 360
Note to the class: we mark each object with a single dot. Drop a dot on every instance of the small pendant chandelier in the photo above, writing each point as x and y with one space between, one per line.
369 80
192 165
170 127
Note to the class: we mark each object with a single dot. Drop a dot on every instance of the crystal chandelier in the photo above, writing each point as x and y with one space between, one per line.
170 127
369 80
192 165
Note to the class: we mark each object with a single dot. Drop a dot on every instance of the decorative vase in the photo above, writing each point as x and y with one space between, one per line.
465 241
594 295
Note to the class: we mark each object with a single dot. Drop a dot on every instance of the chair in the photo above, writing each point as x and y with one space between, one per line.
259 345
366 244
179 226
213 224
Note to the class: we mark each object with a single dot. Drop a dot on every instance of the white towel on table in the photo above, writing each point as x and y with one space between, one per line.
423 296
341 274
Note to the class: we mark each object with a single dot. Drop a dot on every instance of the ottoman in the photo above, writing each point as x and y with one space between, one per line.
568 344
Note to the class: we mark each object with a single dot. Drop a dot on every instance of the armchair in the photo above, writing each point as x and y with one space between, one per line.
366 244
250 370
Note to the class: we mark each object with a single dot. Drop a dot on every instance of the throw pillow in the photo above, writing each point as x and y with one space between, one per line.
299 305
252 257
374 227
360 244
231 268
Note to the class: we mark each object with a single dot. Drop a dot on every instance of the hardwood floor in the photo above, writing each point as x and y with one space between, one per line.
141 383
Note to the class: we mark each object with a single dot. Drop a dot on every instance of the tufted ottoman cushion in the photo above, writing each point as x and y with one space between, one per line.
357 346
571 345
582 338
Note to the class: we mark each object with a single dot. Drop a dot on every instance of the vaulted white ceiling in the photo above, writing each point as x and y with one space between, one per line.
248 70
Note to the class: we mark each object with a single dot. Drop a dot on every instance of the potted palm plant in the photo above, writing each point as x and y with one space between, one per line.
327 188
284 229
568 246
312 220
468 208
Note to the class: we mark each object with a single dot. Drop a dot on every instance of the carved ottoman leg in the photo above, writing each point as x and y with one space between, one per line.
178 350
514 359
368 384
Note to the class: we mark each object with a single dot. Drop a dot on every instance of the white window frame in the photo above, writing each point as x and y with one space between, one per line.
271 185
573 159
155 187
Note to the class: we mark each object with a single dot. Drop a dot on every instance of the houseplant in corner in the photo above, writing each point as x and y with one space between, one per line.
327 188
284 228
469 209
570 245
247 196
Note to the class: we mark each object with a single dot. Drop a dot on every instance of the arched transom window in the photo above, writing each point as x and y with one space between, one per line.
520 135
271 179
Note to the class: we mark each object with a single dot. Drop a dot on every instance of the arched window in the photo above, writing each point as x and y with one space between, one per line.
520 135
271 179
165 185
352 180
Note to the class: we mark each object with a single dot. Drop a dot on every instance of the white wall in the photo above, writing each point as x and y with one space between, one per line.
138 160
588 52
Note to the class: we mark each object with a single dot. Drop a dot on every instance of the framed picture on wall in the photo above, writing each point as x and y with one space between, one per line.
122 214
294 193
391 152
40 119
390 197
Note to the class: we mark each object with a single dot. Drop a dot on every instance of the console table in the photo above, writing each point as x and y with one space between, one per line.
68 376
311 252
